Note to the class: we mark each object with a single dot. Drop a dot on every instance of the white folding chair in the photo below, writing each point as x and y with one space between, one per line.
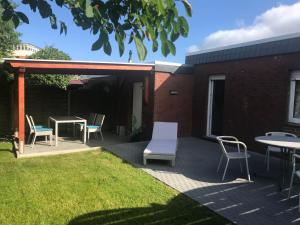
294 172
273 148
232 148
40 131
97 128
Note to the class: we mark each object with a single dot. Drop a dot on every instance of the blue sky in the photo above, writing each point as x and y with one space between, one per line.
214 23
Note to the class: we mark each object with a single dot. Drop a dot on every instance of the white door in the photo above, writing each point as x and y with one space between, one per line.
137 105
215 105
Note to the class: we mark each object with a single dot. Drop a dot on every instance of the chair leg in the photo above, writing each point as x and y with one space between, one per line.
247 167
291 184
33 141
50 137
241 165
88 136
220 162
101 135
299 203
268 161
225 170
28 139
46 139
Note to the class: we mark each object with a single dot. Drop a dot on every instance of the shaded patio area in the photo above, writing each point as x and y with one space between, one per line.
258 202
71 145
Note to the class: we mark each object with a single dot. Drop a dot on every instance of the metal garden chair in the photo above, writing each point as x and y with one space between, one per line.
97 128
40 131
273 148
232 148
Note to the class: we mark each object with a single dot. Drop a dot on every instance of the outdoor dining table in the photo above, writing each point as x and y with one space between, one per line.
67 119
286 144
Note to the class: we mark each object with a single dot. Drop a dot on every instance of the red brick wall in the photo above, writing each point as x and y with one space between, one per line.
174 108
256 96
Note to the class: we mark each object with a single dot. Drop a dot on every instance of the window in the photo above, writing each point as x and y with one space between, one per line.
294 106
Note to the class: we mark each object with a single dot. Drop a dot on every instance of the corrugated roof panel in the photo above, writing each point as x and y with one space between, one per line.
274 47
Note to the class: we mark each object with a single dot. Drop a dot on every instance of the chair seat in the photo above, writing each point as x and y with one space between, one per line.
92 126
44 129
161 147
38 126
237 155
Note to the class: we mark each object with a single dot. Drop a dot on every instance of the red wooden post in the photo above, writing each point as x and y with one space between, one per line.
21 109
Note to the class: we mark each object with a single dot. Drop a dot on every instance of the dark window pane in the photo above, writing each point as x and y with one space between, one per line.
297 100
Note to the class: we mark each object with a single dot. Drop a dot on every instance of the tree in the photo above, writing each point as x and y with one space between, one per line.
138 21
8 37
59 81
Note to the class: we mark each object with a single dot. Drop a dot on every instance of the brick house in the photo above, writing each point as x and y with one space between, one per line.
248 89
243 90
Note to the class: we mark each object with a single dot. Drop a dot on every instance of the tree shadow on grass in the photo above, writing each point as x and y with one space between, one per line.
180 210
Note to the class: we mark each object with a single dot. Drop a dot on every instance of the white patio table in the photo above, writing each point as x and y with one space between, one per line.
67 119
286 144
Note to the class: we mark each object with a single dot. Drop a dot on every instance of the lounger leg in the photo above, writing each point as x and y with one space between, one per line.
225 170
247 167
145 161
220 162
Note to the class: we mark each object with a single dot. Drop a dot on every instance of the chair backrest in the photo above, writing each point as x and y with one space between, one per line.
228 144
32 123
165 131
280 134
99 119
92 118
29 122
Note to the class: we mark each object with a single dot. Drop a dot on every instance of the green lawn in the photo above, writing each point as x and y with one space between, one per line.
89 188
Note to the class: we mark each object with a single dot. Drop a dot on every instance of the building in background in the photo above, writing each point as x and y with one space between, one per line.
24 50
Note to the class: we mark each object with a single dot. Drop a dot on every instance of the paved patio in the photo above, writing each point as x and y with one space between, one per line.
258 202
70 145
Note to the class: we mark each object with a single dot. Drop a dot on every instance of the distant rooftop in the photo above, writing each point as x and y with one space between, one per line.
265 47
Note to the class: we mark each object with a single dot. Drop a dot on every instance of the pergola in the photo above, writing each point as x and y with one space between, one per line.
21 67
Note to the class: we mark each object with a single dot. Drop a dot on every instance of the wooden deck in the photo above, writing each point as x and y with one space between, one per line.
70 145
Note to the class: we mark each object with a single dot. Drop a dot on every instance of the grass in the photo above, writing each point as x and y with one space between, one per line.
90 188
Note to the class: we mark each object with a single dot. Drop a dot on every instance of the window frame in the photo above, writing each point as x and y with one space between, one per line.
295 76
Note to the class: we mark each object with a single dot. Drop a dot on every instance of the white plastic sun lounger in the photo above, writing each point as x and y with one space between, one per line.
163 144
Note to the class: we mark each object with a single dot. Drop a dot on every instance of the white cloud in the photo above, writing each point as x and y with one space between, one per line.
279 20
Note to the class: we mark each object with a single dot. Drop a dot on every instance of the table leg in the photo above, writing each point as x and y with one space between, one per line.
56 133
84 133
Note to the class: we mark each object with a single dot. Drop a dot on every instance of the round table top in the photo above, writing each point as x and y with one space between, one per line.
280 141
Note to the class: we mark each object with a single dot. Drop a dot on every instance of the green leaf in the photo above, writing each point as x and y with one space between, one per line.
7 14
44 8
53 22
103 38
141 49
22 17
184 26
172 48
63 28
174 36
107 48
165 49
163 36
16 20
120 44
59 2
188 7
154 46
89 11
